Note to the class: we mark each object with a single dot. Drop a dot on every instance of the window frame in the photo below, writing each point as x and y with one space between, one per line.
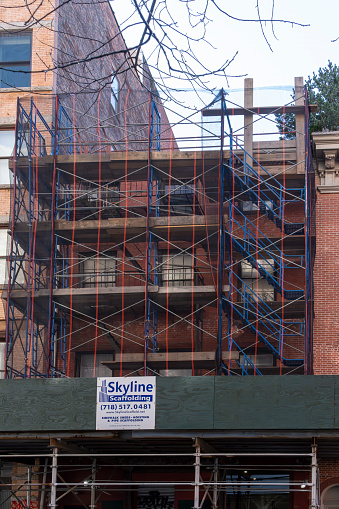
91 277
115 92
266 289
166 266
2 359
248 207
78 356
9 64
7 157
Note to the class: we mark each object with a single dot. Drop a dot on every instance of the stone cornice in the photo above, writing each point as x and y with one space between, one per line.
328 189
326 149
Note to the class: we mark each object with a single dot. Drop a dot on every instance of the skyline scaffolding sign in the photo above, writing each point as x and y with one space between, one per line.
125 403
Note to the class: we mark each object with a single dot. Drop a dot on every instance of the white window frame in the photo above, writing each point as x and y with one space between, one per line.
6 153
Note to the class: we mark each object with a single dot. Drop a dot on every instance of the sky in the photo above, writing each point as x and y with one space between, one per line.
297 51
292 50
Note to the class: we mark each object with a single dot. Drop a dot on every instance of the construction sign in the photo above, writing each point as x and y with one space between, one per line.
125 403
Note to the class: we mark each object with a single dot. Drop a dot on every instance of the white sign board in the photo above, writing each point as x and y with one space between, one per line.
126 403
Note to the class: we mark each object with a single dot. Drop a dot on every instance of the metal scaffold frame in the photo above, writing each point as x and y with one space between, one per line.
179 253
205 475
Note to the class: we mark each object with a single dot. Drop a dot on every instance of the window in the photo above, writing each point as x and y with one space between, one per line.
109 195
255 285
176 269
98 271
255 490
4 238
15 56
181 198
85 364
249 206
7 142
261 360
6 474
175 372
331 498
115 93
2 359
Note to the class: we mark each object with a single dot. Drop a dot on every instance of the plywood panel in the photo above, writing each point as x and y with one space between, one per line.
274 402
184 403
47 405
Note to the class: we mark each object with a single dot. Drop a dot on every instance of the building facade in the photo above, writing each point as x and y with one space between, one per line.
211 270
50 61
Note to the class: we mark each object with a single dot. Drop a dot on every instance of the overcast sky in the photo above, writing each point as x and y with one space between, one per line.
297 51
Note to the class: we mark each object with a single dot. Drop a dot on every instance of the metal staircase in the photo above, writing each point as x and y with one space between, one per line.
244 303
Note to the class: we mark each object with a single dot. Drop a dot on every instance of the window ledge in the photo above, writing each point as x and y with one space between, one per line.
25 89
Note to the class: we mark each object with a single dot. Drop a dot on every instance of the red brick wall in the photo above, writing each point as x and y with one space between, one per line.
328 473
83 31
326 284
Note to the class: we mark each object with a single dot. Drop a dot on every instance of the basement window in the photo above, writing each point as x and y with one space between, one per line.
15 60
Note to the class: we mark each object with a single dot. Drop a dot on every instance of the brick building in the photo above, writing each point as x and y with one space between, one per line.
46 55
130 258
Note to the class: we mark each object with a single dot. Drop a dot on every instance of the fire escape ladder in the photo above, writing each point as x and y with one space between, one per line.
272 197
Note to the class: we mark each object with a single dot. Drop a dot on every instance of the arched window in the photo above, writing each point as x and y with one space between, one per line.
331 498
115 93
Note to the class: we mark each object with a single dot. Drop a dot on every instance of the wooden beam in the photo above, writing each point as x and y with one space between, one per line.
61 444
260 110
300 124
248 118
204 446
174 360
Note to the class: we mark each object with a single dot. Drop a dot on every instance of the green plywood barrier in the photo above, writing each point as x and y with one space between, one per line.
253 403
274 402
47 405
185 402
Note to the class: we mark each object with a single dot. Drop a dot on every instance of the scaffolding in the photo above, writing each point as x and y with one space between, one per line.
156 259
214 474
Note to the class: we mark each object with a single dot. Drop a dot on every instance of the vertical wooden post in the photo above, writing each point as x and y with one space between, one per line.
300 124
248 118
